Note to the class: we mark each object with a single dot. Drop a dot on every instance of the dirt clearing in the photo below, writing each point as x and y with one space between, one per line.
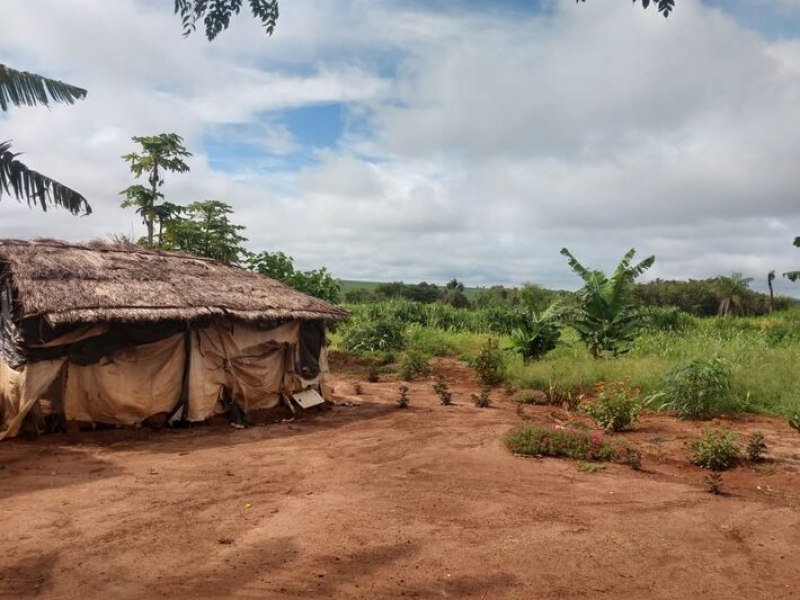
369 501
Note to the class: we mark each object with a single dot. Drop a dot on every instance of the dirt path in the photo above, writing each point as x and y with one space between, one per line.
368 501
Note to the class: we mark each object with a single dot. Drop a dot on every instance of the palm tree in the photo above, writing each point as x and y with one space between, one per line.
16 179
733 291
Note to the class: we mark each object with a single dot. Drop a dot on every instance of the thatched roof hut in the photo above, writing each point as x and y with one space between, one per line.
119 282
113 332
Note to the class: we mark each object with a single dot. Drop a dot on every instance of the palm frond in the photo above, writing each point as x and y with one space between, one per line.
19 181
30 89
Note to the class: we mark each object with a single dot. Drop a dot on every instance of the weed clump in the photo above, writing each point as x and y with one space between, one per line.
358 388
616 407
442 390
403 400
572 443
715 450
698 389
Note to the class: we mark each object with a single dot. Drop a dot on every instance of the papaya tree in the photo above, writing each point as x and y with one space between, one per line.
160 153
606 318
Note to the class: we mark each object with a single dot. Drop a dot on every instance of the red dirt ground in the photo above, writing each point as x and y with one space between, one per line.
369 501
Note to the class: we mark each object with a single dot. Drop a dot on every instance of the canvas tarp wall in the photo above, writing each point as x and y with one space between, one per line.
255 366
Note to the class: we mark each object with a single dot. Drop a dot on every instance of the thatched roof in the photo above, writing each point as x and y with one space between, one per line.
100 281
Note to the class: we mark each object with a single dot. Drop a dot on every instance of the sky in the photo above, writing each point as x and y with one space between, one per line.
409 140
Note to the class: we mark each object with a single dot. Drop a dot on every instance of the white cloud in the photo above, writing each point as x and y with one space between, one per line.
477 146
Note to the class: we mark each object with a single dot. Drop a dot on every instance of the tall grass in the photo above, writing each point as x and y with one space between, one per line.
763 353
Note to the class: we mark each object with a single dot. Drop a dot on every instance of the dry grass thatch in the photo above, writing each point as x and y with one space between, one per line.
101 281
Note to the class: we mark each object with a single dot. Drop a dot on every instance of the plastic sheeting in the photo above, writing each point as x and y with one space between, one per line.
253 365
21 388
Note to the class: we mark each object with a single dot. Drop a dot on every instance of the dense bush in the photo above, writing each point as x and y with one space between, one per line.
572 443
699 389
715 450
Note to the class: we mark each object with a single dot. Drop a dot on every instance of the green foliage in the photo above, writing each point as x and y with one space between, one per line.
277 265
716 450
403 400
616 407
361 335
605 319
665 318
756 446
572 443
733 288
16 179
484 398
216 14
488 365
204 230
159 154
699 389
414 364
537 332
441 389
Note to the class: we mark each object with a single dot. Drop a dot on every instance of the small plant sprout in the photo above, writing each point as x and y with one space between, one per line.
756 447
794 422
402 401
372 373
443 391
357 388
714 482
488 364
484 399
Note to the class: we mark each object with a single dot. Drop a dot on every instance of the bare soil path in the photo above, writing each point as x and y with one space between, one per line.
369 501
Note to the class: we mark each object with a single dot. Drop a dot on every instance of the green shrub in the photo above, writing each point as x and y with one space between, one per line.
698 389
572 443
531 397
616 407
665 318
442 390
715 450
488 364
414 364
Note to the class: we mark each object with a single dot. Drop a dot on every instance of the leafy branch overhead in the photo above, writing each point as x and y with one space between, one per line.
794 275
664 6
16 179
216 14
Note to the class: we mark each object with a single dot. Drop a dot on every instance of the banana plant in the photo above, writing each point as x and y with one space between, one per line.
537 332
606 319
